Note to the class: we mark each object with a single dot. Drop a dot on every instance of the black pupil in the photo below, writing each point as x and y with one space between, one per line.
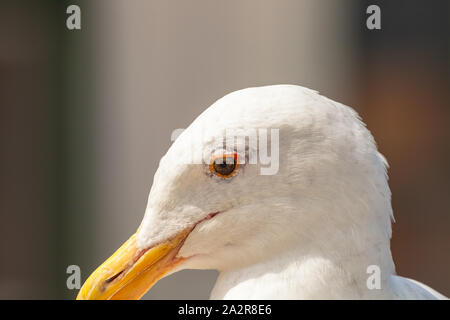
225 167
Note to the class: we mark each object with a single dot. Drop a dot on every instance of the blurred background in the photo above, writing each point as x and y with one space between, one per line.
87 114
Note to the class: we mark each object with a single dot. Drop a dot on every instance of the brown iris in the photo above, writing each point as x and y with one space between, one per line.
224 166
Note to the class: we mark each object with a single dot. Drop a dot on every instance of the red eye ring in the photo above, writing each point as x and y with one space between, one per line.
224 168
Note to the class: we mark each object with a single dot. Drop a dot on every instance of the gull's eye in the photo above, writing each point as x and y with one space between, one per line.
224 166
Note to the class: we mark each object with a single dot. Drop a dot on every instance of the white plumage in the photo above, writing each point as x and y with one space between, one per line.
310 231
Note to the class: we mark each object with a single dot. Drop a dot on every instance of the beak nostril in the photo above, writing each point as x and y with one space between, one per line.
111 279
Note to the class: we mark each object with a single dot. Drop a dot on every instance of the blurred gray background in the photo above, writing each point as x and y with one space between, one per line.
87 114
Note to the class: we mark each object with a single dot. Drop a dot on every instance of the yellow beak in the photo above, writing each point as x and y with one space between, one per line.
130 272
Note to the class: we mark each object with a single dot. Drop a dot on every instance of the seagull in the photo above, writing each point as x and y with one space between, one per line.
281 190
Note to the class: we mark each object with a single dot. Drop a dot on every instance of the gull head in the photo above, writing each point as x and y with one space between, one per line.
261 173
